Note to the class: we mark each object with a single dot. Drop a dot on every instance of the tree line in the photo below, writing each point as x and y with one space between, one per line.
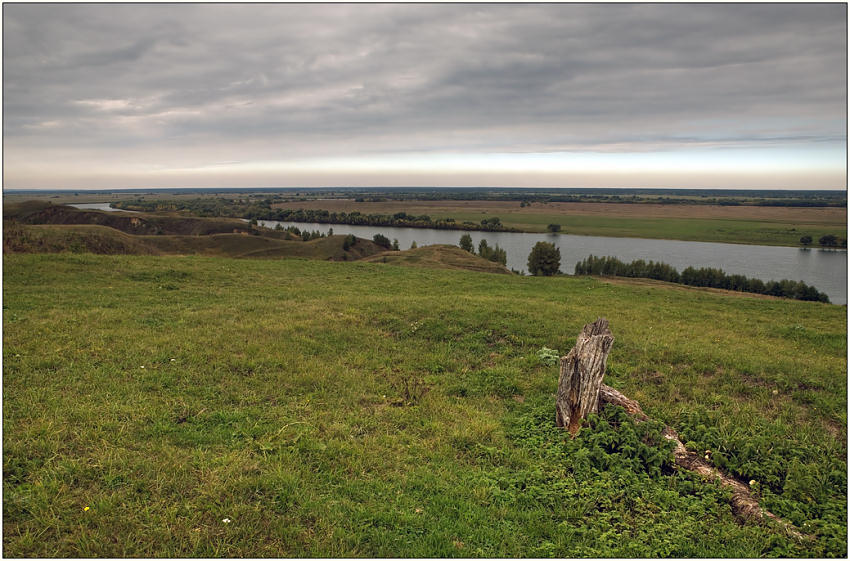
261 209
704 276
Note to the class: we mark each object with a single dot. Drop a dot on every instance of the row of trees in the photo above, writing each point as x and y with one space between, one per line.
704 276
253 209
305 235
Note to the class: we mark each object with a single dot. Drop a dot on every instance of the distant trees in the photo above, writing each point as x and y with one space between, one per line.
554 228
611 266
704 276
466 243
395 244
269 209
828 241
306 236
806 240
493 223
544 259
349 241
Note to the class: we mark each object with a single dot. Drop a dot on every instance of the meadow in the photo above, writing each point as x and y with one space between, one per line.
760 225
208 406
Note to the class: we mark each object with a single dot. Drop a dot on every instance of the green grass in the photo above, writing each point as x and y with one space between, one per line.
361 409
760 232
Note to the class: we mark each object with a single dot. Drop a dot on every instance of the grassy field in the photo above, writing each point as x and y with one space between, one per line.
729 224
201 406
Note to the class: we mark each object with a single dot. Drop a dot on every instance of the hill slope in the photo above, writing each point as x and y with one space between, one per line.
198 406
130 223
439 257
41 228
44 238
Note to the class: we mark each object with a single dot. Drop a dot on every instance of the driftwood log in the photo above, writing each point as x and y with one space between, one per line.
581 391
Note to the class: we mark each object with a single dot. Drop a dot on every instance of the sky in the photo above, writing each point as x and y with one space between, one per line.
118 96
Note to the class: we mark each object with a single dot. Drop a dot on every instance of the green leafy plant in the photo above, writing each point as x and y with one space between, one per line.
548 357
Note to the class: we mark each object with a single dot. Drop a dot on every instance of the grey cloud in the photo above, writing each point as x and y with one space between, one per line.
370 78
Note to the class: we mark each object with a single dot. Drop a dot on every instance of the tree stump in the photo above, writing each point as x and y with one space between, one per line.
581 375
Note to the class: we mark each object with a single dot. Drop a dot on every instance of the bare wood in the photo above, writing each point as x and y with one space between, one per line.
581 375
607 394
744 505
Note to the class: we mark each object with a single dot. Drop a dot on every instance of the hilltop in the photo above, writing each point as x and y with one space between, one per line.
439 256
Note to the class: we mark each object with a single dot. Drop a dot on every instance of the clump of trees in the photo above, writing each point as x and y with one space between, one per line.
544 259
382 241
349 241
305 235
554 228
704 276
495 253
831 241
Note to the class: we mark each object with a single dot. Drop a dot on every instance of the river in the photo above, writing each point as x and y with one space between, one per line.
826 270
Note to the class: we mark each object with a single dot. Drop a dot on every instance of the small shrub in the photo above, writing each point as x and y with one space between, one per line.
548 357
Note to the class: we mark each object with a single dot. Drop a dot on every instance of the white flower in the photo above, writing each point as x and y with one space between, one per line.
752 482
142 367
226 520
173 359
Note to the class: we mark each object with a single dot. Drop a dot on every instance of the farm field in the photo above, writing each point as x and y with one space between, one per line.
205 406
709 223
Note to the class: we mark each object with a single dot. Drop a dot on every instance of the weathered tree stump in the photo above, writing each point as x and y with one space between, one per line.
581 392
581 375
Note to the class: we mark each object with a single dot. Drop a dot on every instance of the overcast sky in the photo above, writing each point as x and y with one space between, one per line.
548 95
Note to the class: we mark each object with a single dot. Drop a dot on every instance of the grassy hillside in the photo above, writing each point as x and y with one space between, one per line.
200 406
33 212
439 257
84 238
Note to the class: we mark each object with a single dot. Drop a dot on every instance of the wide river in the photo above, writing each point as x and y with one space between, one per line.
826 270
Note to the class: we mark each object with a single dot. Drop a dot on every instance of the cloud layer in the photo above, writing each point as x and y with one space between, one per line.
160 94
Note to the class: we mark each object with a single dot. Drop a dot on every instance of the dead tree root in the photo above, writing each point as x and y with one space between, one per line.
744 506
